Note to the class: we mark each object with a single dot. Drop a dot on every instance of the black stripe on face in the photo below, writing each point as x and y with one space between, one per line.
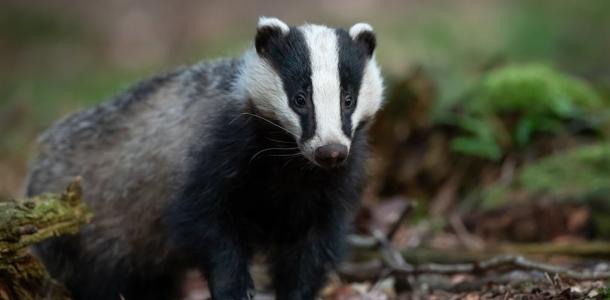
352 60
289 56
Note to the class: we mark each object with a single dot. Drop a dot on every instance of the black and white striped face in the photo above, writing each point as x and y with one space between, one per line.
319 83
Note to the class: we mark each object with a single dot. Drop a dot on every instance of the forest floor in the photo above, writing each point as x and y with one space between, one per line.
399 260
512 285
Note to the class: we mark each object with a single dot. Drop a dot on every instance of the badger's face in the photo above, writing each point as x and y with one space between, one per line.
319 83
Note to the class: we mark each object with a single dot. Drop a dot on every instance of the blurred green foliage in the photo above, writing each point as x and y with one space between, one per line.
51 71
578 174
37 102
30 27
512 104
581 174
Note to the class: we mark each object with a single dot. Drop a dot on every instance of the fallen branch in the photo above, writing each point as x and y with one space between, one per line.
392 260
396 263
403 216
370 242
24 222
511 262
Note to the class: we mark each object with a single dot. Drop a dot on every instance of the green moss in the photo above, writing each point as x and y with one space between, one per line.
514 103
24 222
578 175
581 174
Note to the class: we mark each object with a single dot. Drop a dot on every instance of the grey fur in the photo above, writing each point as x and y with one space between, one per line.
131 148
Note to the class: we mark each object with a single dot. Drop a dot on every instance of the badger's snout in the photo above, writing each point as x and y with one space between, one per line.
331 155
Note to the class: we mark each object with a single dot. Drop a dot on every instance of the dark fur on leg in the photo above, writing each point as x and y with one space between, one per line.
222 256
235 203
299 271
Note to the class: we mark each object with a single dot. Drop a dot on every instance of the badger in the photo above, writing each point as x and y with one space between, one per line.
207 165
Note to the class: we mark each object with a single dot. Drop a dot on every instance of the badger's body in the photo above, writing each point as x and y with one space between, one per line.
206 165
132 154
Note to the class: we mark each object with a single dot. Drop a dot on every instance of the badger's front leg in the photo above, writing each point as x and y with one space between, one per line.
204 229
224 261
300 270
221 254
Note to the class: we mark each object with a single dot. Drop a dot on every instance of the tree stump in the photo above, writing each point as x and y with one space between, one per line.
24 222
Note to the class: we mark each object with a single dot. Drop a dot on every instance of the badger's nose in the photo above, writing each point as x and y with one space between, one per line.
331 155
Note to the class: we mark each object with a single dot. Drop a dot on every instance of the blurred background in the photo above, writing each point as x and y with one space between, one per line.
496 122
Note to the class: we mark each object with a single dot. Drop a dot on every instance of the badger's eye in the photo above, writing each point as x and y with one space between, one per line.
348 101
300 100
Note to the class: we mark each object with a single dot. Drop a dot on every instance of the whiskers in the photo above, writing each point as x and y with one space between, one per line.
287 155
276 149
280 141
290 157
281 148
270 122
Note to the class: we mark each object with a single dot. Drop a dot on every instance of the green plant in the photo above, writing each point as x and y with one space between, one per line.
577 175
510 105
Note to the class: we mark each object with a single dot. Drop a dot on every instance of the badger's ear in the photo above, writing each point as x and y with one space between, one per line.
267 30
363 34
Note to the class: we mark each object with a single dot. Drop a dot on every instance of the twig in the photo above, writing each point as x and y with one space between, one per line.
393 260
396 263
362 241
466 238
403 216
370 242
512 262
391 257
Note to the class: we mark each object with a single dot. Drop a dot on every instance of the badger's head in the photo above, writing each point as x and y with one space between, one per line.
318 83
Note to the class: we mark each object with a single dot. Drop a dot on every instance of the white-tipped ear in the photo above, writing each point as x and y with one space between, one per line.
269 31
270 22
363 34
359 28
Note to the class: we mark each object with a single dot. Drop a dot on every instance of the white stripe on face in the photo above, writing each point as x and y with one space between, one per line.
324 56
371 93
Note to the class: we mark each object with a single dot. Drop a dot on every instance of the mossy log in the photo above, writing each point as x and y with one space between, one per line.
24 222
